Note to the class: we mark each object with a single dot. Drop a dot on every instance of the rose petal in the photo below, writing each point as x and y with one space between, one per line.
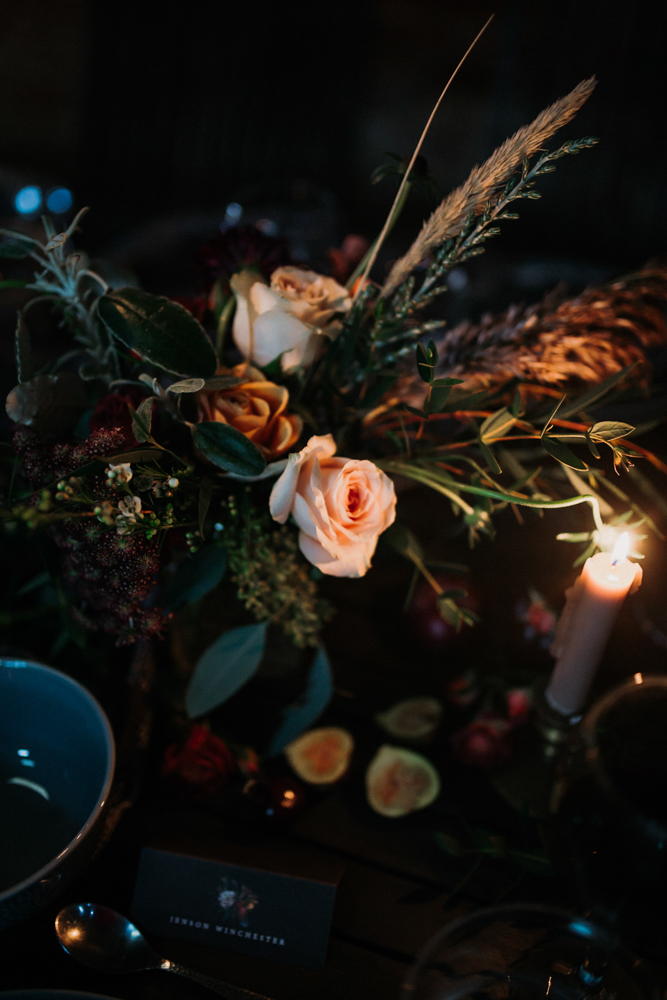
282 494
277 331
241 326
354 565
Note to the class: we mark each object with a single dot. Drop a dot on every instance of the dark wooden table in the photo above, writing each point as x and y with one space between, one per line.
399 886
394 894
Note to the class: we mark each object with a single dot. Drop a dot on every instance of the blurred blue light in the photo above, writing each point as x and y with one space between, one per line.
28 200
233 213
582 928
267 226
59 201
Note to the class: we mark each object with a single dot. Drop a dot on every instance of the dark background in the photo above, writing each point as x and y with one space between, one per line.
158 116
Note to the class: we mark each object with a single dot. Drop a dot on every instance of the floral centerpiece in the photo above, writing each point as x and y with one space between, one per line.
258 432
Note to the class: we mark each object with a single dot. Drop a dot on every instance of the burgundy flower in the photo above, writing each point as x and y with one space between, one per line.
112 411
344 259
484 742
519 705
242 247
108 575
463 690
199 767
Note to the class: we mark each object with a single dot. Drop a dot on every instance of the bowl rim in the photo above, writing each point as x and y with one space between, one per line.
41 873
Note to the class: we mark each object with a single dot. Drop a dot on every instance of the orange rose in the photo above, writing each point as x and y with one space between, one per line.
256 408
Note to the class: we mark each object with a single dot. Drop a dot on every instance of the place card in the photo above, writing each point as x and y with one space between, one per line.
228 905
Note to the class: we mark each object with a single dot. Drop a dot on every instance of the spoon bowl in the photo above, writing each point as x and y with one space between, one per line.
105 941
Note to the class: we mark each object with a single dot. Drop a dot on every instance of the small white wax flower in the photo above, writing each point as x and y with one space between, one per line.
173 482
121 473
130 507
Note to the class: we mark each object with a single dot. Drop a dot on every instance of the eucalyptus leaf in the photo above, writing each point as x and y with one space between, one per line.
553 413
224 668
449 612
23 350
490 458
469 402
442 383
187 385
135 455
222 382
497 425
438 399
142 419
228 448
609 430
159 330
592 446
300 715
424 365
562 453
403 541
194 577
595 393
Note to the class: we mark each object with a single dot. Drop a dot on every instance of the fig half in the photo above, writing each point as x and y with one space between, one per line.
412 719
400 781
321 756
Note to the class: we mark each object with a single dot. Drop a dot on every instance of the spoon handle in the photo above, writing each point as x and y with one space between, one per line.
223 989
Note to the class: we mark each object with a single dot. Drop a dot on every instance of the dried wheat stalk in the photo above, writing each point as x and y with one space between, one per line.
567 345
484 181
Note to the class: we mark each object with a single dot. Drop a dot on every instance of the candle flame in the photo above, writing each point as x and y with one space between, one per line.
621 549
639 679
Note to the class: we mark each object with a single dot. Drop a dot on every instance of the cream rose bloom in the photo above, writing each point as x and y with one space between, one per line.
341 506
289 318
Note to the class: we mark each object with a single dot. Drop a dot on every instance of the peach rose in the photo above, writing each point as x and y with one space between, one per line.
341 506
256 408
289 318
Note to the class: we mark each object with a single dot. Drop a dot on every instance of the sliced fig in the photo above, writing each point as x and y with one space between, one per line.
400 781
412 719
321 756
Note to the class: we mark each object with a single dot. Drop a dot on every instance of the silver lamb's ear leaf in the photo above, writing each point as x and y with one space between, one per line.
187 385
48 403
224 668
142 418
57 241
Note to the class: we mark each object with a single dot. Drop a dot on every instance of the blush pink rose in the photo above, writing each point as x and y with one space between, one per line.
341 506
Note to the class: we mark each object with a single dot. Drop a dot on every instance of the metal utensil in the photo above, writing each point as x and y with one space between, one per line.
107 942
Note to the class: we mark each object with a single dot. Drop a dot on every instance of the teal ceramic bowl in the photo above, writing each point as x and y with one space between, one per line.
56 767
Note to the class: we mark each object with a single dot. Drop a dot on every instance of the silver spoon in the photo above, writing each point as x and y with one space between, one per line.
107 942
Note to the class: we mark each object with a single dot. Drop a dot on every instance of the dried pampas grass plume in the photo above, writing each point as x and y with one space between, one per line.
483 182
566 345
